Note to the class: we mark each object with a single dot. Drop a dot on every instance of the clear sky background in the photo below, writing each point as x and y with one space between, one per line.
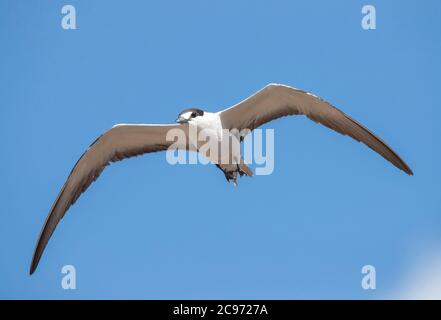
146 229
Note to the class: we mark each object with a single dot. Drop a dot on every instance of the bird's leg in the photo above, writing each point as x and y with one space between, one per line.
231 171
231 176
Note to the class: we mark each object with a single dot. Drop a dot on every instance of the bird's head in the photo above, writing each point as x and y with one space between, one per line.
189 114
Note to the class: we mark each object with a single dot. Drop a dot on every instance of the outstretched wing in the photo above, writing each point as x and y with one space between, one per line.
118 143
275 101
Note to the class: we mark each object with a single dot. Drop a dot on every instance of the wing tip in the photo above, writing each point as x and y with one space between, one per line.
32 268
35 258
404 167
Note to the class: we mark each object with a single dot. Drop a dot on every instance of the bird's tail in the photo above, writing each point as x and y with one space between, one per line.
231 170
244 169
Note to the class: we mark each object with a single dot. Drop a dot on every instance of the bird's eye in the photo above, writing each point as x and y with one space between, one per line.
193 115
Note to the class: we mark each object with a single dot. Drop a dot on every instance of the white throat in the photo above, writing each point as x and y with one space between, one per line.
209 121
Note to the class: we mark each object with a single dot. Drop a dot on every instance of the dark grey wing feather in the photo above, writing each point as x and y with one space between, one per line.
118 143
275 101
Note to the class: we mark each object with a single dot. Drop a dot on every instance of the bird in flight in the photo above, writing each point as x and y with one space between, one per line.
127 140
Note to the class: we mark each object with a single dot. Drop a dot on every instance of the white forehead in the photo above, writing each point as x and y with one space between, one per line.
186 115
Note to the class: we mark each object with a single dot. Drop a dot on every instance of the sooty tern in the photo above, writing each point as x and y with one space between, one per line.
128 140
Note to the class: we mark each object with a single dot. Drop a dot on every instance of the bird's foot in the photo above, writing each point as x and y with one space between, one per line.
231 177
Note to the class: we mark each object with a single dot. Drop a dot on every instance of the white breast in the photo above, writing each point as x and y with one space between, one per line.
210 122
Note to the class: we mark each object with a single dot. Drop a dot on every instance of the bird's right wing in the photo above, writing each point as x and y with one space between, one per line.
118 143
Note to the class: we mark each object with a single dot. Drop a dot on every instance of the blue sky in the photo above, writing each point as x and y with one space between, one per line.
331 205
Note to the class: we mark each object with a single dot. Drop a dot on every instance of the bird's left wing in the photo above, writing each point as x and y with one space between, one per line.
118 143
275 101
